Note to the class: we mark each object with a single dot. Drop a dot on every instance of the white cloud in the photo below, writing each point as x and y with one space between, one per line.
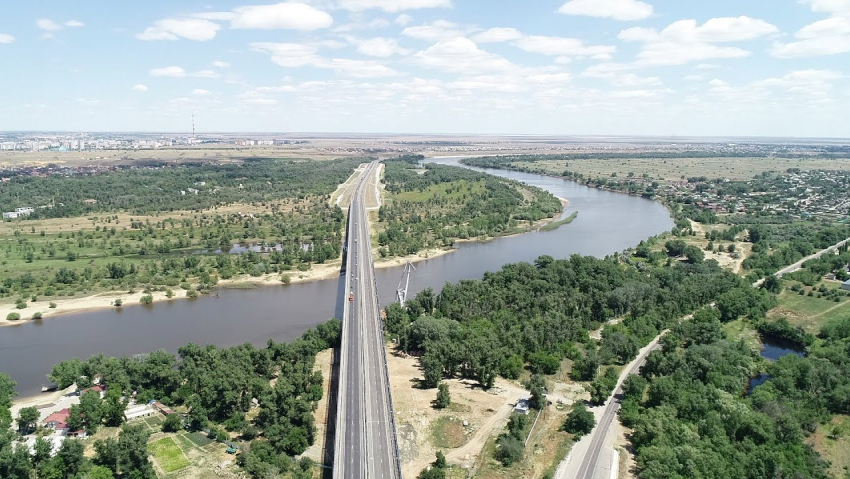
684 41
461 55
288 54
172 71
824 37
293 55
499 34
201 92
140 88
561 46
6 38
179 72
203 26
403 19
381 47
88 101
797 88
393 6
835 7
48 25
290 16
622 10
255 98
196 29
220 64
440 29
74 24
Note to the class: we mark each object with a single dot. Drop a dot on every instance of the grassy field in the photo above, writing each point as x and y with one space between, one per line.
674 169
832 441
810 312
740 329
448 433
168 455
452 191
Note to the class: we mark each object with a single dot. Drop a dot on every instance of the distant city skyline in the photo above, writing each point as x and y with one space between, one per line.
774 68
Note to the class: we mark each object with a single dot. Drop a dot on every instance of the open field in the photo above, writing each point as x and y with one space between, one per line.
217 153
810 312
676 169
832 441
167 455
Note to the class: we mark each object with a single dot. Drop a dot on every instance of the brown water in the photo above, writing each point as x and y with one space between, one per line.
606 223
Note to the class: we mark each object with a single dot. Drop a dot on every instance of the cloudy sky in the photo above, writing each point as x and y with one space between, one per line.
618 67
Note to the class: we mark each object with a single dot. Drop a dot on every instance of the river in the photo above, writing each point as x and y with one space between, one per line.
607 222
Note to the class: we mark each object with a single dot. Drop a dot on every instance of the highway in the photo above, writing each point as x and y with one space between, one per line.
365 443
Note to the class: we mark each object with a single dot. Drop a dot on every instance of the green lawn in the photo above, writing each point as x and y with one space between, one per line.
168 455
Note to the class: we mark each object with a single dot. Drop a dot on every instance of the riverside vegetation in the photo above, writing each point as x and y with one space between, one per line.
188 247
435 205
262 398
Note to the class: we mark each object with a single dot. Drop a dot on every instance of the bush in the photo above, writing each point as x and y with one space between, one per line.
580 421
169 294
37 315
509 450
13 317
118 302
52 305
191 293
285 279
21 304
146 299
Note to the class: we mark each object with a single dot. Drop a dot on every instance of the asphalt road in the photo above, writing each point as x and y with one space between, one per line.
585 463
365 444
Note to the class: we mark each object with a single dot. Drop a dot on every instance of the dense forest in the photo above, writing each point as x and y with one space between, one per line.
157 188
539 314
218 388
433 205
691 415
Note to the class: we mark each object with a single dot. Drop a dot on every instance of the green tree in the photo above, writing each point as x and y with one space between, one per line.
27 420
7 392
172 423
580 420
133 458
432 370
114 406
91 409
65 373
443 397
99 472
42 450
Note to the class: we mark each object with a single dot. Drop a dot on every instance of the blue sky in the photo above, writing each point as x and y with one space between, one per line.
577 67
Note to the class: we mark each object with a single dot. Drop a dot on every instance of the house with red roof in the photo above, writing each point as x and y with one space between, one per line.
58 421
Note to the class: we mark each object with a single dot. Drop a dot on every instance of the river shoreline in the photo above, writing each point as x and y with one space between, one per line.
106 300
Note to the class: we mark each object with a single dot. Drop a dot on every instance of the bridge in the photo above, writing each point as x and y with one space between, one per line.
365 444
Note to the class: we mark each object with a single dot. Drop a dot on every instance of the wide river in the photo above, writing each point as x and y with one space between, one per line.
607 222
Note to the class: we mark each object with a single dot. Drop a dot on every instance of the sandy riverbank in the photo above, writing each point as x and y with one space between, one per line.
106 299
